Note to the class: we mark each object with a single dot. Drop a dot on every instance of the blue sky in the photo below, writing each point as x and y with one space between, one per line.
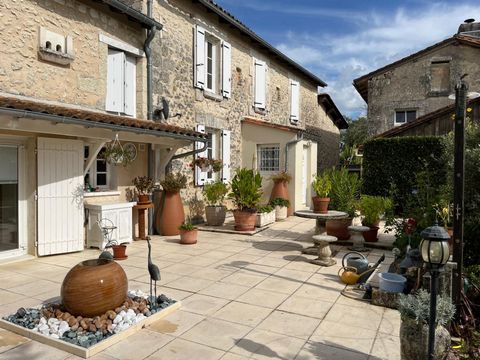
342 40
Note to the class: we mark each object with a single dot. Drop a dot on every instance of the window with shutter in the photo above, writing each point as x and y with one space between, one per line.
121 79
294 101
226 69
130 88
226 156
199 57
200 176
260 78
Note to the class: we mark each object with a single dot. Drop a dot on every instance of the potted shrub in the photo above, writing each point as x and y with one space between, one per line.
280 187
415 313
265 215
322 184
188 234
372 207
246 192
119 251
214 194
281 206
144 186
344 195
170 214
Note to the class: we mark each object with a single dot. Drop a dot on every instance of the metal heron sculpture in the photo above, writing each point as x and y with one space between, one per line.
153 270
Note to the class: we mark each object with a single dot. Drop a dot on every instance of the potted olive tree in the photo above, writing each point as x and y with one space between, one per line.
144 186
322 184
281 206
246 193
170 214
344 195
214 195
372 208
415 314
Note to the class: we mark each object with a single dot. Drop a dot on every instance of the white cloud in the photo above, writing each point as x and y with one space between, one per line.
382 39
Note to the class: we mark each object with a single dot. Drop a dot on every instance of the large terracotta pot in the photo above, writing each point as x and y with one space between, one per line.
371 235
244 220
414 341
170 214
339 228
280 190
188 237
215 215
94 286
320 205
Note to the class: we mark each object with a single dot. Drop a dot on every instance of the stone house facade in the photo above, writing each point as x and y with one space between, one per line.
421 83
249 87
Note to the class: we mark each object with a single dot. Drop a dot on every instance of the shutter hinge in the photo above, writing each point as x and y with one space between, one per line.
35 151
35 196
36 243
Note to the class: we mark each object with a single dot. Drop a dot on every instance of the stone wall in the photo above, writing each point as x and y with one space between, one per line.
408 86
83 81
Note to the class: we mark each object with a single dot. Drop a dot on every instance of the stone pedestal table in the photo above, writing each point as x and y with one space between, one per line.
358 245
324 251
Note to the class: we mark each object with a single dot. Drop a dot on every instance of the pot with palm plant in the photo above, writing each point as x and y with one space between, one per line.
280 187
322 184
281 206
215 211
415 314
372 208
246 192
144 186
344 195
188 234
170 214
265 215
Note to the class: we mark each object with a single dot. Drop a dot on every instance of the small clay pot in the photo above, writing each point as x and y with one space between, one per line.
143 198
119 252
320 205
371 235
244 220
188 237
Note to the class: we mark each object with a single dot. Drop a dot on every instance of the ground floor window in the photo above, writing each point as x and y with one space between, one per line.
98 175
404 116
268 157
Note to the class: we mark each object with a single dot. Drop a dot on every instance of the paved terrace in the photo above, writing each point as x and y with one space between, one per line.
242 297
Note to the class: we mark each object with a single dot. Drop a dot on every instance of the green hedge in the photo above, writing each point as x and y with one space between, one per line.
390 165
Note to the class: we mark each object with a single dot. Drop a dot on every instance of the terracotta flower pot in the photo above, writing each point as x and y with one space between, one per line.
170 214
339 228
143 198
188 237
371 235
280 190
215 215
119 252
320 205
244 220
92 287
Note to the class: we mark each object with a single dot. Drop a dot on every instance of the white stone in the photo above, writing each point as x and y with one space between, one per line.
139 318
121 327
42 321
55 336
53 321
117 319
62 328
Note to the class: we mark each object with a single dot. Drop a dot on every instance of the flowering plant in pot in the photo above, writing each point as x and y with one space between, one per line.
188 234
144 186
214 194
415 314
281 206
170 214
372 208
322 184
246 192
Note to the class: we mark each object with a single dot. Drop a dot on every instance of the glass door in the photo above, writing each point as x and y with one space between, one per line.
9 239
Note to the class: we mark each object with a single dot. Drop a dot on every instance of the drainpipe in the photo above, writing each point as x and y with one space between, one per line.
299 138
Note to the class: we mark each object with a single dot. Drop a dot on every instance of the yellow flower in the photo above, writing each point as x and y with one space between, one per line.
469 109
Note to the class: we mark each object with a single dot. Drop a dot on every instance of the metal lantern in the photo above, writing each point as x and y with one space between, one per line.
434 246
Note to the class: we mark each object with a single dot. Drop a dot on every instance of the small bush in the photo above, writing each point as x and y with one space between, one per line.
215 193
280 202
174 182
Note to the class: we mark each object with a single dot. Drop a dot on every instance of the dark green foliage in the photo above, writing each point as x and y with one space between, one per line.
345 191
357 132
390 167
246 189
280 202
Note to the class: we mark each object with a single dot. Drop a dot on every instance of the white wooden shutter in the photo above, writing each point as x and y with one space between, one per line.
200 176
115 81
226 156
199 57
130 88
226 70
60 196
294 101
260 78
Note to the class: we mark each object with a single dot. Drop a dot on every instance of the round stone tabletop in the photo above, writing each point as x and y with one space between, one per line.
355 228
332 214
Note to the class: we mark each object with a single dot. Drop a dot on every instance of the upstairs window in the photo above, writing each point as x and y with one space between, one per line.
404 116
212 61
440 76
120 82
260 84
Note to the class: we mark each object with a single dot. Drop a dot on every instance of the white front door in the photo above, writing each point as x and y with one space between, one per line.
60 196
304 174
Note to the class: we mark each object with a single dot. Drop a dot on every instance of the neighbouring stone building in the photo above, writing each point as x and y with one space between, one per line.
419 84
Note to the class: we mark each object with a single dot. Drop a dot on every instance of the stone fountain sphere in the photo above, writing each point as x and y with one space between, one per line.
93 287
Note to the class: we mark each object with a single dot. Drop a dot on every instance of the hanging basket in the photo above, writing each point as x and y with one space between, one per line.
115 154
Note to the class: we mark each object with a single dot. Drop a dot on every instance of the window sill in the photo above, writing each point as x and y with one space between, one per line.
101 193
212 96
260 111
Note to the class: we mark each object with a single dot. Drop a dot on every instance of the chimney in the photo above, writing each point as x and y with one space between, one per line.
469 28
